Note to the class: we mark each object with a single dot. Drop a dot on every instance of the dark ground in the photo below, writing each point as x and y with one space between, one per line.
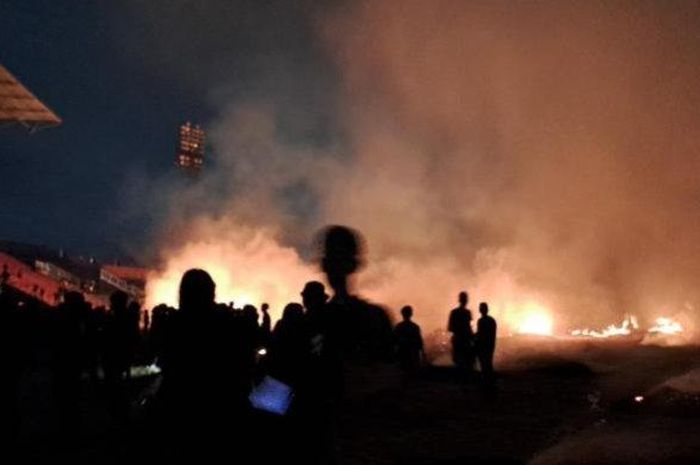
555 402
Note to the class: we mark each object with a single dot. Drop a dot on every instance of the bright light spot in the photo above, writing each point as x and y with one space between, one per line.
628 325
638 398
666 325
144 370
536 320
262 351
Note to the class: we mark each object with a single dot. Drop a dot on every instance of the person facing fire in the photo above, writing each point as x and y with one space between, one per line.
485 340
266 326
117 351
205 373
460 325
69 353
409 341
289 346
314 298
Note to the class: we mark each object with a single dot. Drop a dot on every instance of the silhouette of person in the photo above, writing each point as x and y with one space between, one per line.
266 326
460 325
69 354
205 373
146 319
357 337
133 333
357 331
289 346
117 336
14 356
409 341
315 298
253 335
485 340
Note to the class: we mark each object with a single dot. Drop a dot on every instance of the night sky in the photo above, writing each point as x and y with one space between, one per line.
123 76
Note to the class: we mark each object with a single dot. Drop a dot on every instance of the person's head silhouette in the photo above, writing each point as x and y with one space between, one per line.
314 295
341 256
463 299
484 308
407 312
251 313
196 291
118 301
293 312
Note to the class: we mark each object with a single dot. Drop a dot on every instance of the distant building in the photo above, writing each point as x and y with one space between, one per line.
190 149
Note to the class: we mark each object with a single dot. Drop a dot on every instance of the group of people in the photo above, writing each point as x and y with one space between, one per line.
212 356
468 346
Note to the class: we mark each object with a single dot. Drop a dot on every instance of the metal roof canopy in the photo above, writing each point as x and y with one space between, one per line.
18 105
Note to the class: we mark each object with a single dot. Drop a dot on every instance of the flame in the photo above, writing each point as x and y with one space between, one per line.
247 269
535 319
665 325
628 325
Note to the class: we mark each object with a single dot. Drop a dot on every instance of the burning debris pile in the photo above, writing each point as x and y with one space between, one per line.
628 326
540 323
663 326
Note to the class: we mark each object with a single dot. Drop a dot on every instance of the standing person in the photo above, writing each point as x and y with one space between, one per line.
146 322
205 374
117 354
133 334
314 298
409 341
14 355
266 326
69 356
117 351
485 340
357 335
460 325
289 346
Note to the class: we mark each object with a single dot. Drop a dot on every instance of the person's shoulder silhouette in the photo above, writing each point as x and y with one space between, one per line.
200 359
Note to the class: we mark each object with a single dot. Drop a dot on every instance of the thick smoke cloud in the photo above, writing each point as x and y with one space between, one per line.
535 153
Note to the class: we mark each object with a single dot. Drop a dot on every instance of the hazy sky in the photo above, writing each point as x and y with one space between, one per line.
122 76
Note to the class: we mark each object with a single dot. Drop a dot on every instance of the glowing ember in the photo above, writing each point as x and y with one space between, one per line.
664 325
628 325
536 321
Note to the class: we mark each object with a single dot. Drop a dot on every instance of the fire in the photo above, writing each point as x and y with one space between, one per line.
665 325
536 320
247 269
628 325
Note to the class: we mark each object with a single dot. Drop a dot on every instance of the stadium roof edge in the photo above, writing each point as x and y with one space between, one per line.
19 106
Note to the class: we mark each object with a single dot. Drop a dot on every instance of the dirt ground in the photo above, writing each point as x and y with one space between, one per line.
554 402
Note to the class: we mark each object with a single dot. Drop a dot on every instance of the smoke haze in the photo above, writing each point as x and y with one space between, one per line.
538 154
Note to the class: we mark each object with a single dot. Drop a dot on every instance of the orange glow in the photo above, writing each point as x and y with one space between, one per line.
247 269
535 319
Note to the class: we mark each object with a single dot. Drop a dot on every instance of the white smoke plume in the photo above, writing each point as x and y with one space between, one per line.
538 154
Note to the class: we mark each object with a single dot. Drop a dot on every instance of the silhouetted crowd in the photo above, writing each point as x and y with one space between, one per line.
228 378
